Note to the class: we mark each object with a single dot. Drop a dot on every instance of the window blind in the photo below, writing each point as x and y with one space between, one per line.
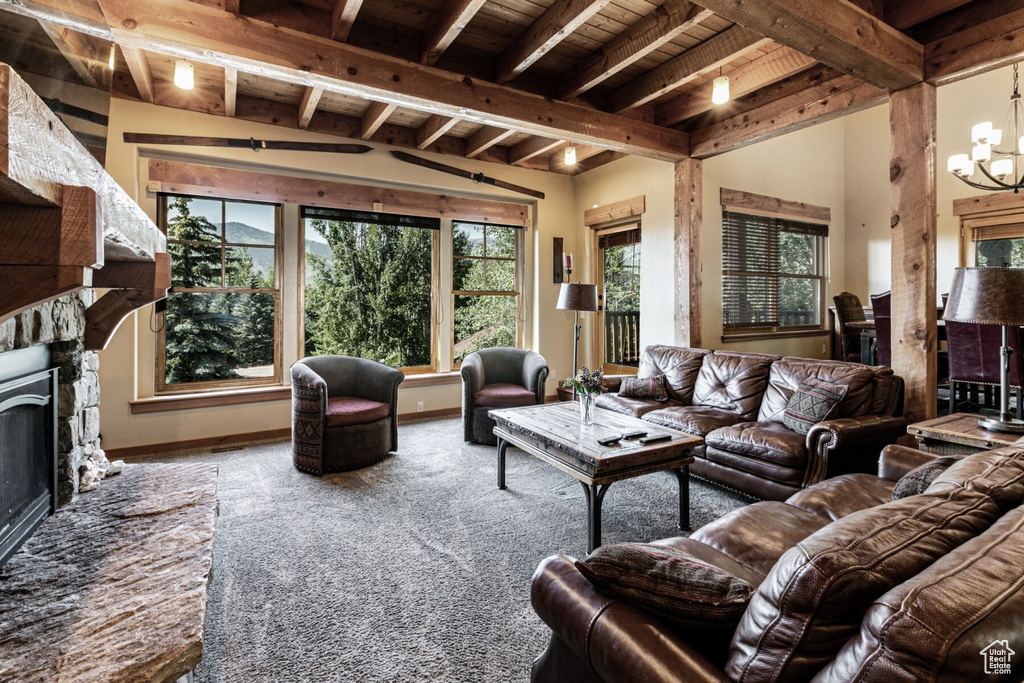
751 267
619 239
371 217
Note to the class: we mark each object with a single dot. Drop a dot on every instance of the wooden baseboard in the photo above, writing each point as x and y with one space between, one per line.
196 444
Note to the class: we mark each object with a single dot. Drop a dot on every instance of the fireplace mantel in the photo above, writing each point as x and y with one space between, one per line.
66 224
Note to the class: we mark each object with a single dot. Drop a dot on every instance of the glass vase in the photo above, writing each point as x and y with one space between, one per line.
586 408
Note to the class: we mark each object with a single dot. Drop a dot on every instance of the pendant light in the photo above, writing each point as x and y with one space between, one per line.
184 75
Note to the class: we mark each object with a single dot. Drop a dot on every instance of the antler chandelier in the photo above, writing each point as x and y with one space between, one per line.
998 163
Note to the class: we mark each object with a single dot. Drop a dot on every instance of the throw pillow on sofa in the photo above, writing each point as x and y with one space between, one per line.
921 477
813 401
652 388
669 583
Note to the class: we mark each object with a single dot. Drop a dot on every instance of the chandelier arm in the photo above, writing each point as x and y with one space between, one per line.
979 186
1002 185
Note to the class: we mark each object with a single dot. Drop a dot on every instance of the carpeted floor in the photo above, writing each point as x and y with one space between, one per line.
417 568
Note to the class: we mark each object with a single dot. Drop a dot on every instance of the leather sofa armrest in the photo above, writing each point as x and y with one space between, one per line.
897 460
618 641
613 382
535 373
850 444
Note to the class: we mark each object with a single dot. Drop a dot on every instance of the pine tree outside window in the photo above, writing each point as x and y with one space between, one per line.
222 321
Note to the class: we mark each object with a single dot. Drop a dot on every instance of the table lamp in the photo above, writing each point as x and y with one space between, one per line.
576 297
991 296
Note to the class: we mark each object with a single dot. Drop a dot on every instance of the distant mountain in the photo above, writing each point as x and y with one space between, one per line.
263 259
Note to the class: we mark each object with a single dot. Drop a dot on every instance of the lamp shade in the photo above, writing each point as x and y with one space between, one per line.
577 297
986 296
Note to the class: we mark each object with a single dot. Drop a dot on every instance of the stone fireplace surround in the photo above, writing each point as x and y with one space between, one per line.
61 324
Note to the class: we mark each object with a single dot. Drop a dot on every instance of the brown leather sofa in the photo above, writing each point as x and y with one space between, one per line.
849 585
735 401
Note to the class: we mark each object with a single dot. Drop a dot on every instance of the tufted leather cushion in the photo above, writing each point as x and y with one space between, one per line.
733 382
843 495
634 407
997 473
679 365
788 373
349 410
813 600
767 441
926 629
504 396
696 420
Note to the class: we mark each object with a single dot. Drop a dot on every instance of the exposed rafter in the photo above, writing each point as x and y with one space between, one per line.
980 48
307 107
552 27
373 118
343 17
903 14
484 139
76 49
447 26
433 128
531 147
138 67
230 90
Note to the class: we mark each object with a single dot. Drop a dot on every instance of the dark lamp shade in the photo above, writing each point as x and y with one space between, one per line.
577 297
986 296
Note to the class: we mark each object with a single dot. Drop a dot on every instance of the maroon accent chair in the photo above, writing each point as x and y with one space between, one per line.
499 377
881 304
848 310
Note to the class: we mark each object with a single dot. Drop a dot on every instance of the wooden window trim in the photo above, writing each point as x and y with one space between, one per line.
763 205
601 217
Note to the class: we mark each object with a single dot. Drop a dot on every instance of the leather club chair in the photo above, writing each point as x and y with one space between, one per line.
500 377
344 413
848 310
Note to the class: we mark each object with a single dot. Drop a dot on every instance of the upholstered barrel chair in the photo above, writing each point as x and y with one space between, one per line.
501 377
344 413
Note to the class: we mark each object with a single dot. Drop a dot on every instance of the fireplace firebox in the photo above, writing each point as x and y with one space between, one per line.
28 445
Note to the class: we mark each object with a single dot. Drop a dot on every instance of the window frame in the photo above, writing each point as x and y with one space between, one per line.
778 223
161 387
516 279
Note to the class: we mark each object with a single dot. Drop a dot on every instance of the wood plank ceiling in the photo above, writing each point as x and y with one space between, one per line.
517 81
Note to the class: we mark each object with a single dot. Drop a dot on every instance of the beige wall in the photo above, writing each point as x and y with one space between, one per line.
127 366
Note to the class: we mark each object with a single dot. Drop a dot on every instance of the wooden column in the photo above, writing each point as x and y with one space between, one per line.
688 218
913 222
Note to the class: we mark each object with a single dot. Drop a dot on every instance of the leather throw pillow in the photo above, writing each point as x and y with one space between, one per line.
921 477
652 388
813 401
670 584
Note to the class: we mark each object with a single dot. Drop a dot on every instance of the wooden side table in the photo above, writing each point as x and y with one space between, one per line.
957 434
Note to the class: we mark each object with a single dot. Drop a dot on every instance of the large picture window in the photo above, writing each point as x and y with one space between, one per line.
222 319
773 274
485 293
369 286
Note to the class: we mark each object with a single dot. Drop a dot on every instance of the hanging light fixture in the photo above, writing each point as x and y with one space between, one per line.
720 90
570 156
999 164
184 75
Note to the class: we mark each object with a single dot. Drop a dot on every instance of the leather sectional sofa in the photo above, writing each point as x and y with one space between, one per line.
848 585
736 401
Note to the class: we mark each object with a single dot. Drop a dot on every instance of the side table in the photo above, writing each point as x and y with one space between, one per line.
957 434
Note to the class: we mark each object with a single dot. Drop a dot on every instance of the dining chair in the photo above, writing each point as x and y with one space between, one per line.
975 360
848 310
881 304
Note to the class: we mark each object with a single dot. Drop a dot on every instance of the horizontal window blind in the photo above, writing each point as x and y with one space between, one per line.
619 239
752 267
375 218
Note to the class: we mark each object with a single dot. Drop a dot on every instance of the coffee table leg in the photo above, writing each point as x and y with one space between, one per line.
595 496
502 446
683 475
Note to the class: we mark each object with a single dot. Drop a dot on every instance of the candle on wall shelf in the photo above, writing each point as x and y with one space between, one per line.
567 261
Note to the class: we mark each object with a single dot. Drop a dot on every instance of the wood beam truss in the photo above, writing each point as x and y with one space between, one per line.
454 16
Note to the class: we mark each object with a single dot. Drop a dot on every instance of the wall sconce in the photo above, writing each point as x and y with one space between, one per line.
570 156
184 75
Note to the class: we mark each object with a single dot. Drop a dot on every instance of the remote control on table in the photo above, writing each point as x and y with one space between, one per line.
608 441
634 435
656 438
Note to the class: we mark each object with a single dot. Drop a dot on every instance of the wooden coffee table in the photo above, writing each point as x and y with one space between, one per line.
553 433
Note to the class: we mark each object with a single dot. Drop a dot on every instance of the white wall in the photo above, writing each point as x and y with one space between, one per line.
127 367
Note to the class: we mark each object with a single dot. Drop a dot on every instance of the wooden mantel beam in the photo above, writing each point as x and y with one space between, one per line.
185 29
834 32
133 285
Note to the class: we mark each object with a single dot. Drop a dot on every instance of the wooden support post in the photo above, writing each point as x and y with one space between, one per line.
689 211
912 122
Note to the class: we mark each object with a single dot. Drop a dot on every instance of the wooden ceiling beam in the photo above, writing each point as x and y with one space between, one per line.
373 118
695 62
531 147
759 73
184 29
975 50
138 67
552 27
433 128
454 16
307 106
873 7
230 90
835 33
974 14
824 102
484 139
646 35
342 18
77 50
903 14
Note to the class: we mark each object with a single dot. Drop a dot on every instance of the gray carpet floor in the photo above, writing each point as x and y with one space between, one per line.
417 568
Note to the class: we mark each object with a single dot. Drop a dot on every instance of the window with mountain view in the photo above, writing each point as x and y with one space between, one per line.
484 292
369 286
221 324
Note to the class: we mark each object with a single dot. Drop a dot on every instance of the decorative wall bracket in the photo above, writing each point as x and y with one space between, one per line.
133 285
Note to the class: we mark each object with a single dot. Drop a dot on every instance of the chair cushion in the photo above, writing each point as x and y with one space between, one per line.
813 401
682 589
679 365
351 410
733 382
634 407
652 388
768 441
504 396
921 477
696 420
998 474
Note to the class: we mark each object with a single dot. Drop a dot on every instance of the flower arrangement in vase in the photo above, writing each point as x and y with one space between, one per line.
587 385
